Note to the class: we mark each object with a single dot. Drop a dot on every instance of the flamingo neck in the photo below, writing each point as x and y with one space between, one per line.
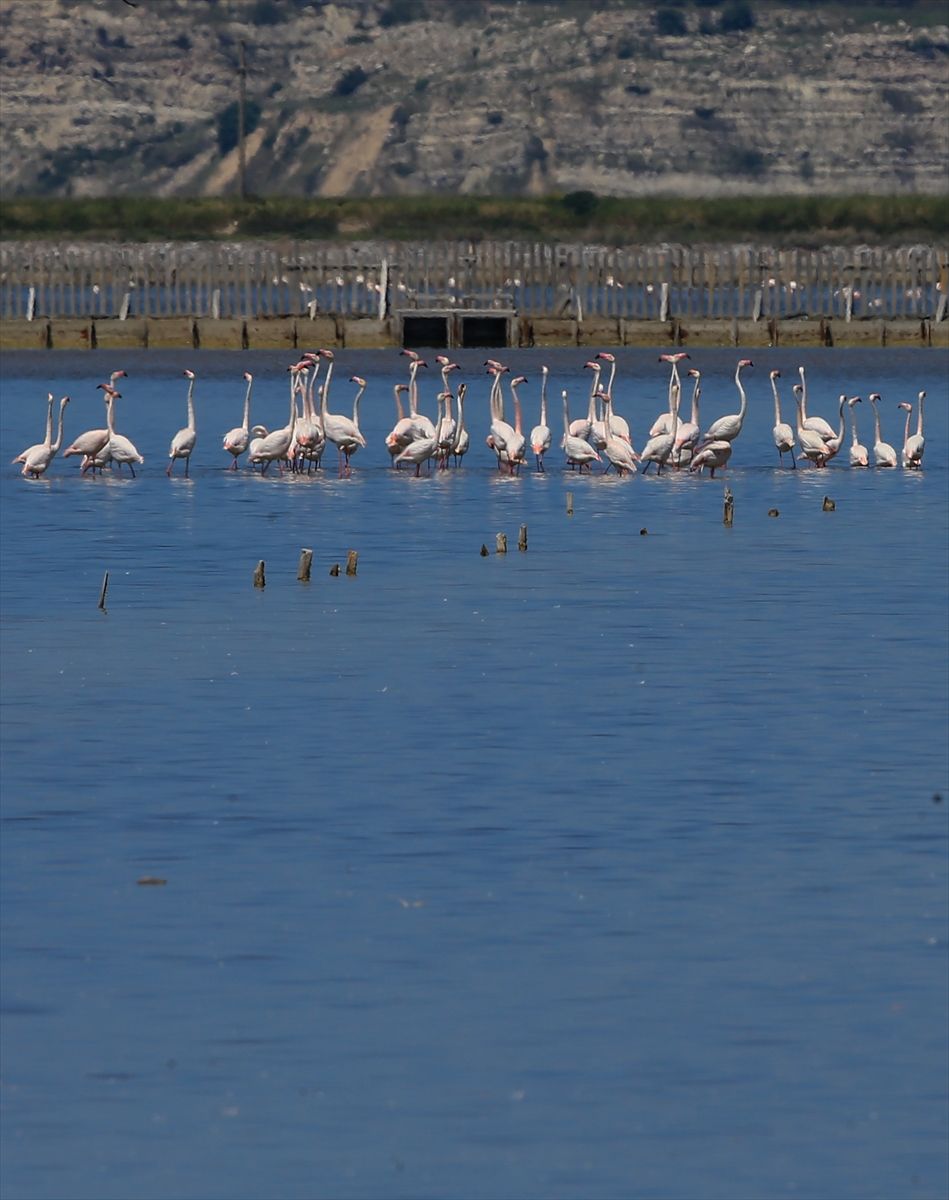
59 437
566 417
744 398
517 411
777 403
356 405
191 404
543 399
110 416
49 420
876 414
398 405
909 417
325 390
609 386
853 427
246 424
919 419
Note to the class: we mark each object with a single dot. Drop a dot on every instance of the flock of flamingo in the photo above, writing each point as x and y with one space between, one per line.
601 437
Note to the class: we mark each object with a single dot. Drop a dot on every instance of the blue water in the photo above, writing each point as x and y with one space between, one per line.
612 869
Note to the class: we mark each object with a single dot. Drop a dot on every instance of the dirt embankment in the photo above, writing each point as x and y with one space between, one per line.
100 97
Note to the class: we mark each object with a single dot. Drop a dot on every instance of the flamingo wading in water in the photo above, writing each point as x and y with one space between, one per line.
237 440
184 440
883 453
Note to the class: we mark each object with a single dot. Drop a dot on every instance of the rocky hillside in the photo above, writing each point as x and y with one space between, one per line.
371 97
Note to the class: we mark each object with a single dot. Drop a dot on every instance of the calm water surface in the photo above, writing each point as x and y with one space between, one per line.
611 869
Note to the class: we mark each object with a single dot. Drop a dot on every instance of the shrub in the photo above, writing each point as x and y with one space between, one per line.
670 23
228 133
266 12
495 118
580 204
742 160
737 17
900 101
349 82
625 47
402 12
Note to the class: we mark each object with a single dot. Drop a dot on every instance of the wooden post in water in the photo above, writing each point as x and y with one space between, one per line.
501 541
306 561
522 538
828 505
728 515
351 559
260 579
569 504
105 588
484 550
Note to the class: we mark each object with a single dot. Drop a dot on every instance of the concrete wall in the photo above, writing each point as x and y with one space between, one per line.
297 334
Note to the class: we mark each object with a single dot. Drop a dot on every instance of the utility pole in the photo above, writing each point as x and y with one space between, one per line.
241 106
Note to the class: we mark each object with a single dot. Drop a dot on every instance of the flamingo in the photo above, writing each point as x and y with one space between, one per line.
420 450
858 454
618 425
726 429
618 452
448 425
91 443
236 440
39 457
541 437
813 446
401 433
462 438
501 432
782 433
914 446
47 440
274 447
712 454
687 435
339 430
835 443
119 449
578 450
815 424
421 425
257 435
659 448
883 453
308 439
516 449
583 426
184 440
351 445
663 423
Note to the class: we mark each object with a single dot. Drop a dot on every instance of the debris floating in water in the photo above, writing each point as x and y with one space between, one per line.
772 512
152 881
828 505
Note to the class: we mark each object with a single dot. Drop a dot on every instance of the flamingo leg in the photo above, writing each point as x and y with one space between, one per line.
187 460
